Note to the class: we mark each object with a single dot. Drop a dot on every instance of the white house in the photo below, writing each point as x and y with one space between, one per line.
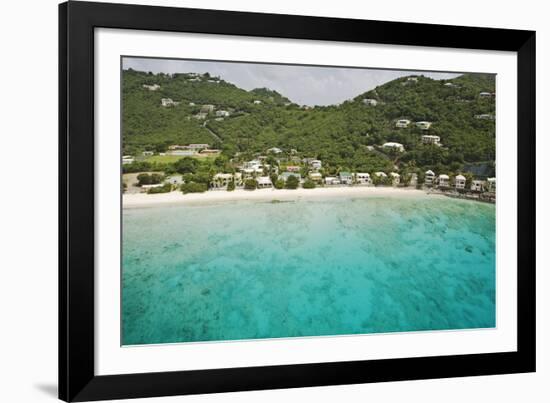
264 182
431 139
221 180
315 164
153 87
346 178
395 178
182 153
127 159
201 116
196 79
363 178
423 125
485 95
402 123
413 79
148 153
429 177
477 186
485 116
449 85
191 104
460 182
443 181
257 102
491 184
274 150
370 102
396 146
380 174
155 185
253 164
222 114
167 102
331 180
198 147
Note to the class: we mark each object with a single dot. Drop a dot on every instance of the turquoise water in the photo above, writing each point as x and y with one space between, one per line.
247 270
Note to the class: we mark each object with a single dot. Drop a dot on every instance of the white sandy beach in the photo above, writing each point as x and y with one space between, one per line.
149 200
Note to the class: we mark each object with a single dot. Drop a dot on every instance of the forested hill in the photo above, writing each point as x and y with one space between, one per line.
344 136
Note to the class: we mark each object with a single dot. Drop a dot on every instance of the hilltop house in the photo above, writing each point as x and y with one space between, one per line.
315 176
191 104
257 102
363 178
431 139
485 95
429 177
423 125
167 102
198 147
274 150
395 178
127 159
491 184
396 146
153 87
413 79
201 115
346 178
293 168
460 182
485 116
370 102
222 114
264 182
449 85
477 186
443 181
402 123
207 108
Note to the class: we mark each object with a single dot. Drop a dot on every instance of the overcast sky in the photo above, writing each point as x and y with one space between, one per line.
301 84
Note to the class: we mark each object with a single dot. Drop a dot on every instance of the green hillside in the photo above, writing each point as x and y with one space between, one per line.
345 136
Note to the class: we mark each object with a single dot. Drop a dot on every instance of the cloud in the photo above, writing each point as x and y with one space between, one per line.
305 85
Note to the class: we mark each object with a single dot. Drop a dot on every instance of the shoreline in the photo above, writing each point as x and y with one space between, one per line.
139 200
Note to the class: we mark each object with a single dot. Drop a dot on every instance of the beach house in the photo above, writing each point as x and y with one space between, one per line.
423 125
315 176
429 177
363 178
331 180
431 139
345 177
460 182
285 175
402 123
395 178
477 186
443 181
380 174
491 184
264 182
395 146
315 164
370 102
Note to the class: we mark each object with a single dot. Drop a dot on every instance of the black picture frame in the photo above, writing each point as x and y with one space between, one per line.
77 379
